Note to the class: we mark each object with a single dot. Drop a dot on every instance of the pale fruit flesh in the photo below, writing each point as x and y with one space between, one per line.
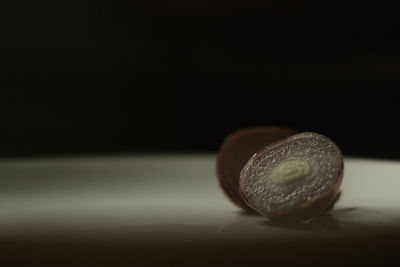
291 175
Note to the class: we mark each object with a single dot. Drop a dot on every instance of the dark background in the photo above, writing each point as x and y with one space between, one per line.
178 76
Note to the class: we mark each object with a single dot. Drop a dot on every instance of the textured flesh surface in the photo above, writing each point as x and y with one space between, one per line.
237 150
315 162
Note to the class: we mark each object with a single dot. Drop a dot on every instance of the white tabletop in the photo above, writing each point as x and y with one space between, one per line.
159 209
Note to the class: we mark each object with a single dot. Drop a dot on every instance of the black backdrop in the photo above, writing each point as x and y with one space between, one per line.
178 76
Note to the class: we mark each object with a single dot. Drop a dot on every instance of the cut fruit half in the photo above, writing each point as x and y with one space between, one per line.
295 178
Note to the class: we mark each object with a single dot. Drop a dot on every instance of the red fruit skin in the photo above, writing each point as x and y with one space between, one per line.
237 149
306 210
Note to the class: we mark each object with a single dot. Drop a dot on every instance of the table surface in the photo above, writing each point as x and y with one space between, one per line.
169 209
